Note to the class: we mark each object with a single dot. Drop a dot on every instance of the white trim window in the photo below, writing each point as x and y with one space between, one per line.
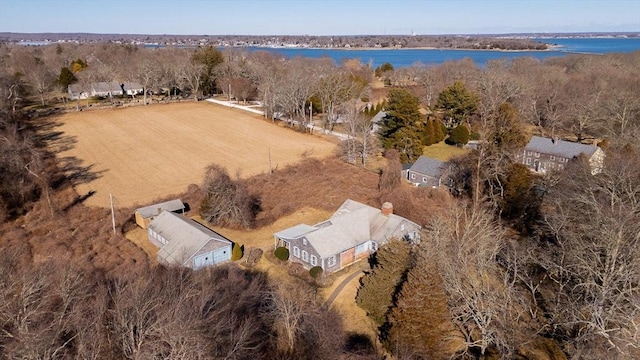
424 179
331 261
413 176
528 161
296 251
314 260
304 241
552 158
305 256
537 154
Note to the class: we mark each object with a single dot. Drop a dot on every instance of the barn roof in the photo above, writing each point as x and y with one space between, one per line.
152 210
559 147
185 237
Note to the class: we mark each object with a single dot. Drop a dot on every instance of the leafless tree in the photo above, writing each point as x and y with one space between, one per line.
594 224
467 241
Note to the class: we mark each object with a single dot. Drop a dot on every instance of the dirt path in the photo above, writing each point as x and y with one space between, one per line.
356 274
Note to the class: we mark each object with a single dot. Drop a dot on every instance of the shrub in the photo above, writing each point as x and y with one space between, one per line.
236 252
282 253
253 256
459 135
315 271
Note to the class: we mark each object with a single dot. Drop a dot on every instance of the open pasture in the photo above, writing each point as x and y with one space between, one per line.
149 152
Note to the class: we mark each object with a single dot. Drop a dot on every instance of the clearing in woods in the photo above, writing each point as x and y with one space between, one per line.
149 152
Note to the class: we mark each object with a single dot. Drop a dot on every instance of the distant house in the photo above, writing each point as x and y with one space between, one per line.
104 89
145 215
426 172
76 91
185 242
353 232
546 154
377 121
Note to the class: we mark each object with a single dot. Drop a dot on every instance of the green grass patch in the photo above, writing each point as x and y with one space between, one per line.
442 151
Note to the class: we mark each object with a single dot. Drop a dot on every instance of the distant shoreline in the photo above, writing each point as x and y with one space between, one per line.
550 47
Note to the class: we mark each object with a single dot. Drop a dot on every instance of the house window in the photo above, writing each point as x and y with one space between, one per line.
296 251
560 166
314 260
537 154
413 176
528 161
424 179
304 241
305 256
374 246
552 158
331 261
529 153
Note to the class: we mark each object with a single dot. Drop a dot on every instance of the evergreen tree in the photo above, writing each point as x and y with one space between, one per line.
401 128
209 57
459 135
457 103
419 322
429 137
439 131
380 285
66 78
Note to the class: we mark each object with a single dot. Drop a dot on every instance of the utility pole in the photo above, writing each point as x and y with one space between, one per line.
113 215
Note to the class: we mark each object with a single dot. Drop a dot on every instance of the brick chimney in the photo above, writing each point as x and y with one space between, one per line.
387 209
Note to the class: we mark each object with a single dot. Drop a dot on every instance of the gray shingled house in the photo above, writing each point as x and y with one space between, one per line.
185 242
546 154
145 215
426 172
353 232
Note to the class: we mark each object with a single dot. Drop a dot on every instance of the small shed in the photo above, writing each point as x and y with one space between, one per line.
185 242
145 215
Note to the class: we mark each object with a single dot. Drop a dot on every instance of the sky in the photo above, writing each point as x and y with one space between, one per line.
319 17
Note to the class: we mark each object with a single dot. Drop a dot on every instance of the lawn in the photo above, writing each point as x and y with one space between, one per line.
148 152
442 151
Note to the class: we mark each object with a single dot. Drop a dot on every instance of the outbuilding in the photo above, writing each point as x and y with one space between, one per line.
185 242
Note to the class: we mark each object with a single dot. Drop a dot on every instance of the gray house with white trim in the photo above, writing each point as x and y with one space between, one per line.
185 242
426 172
546 154
353 232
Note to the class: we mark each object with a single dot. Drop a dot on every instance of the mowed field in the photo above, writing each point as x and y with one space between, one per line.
149 152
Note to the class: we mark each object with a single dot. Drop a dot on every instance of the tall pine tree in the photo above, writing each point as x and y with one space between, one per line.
402 129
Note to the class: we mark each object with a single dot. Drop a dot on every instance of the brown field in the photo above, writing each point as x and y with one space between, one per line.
145 153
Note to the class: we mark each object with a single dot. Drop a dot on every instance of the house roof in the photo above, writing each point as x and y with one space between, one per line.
558 147
152 210
352 224
185 237
428 166
378 117
106 87
295 231
131 86
75 88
